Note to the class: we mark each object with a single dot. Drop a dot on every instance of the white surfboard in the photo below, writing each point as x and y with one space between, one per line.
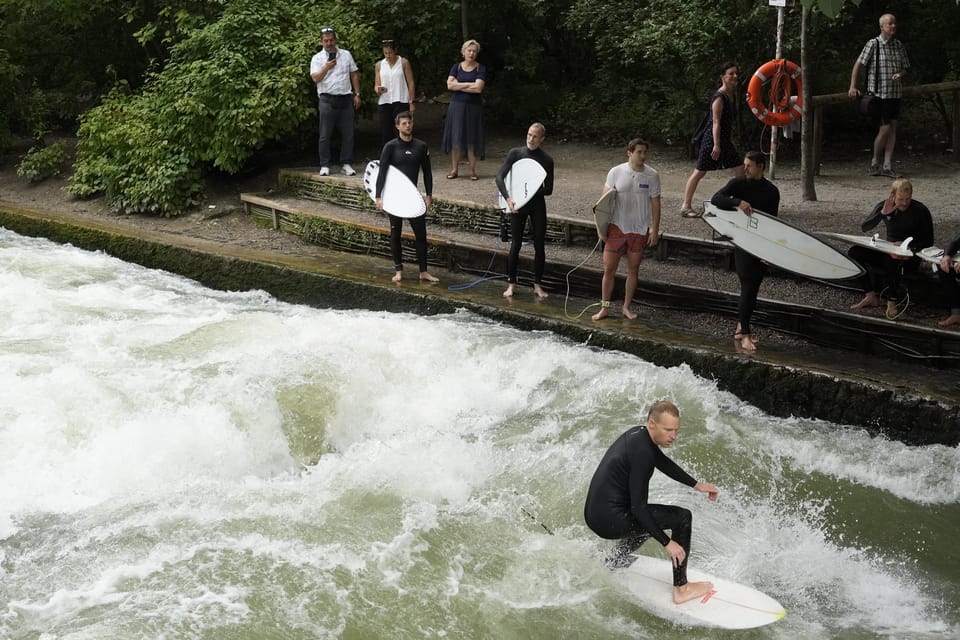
603 212
400 196
730 605
876 243
524 179
933 255
781 244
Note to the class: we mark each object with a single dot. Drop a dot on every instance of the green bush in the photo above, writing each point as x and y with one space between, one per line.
41 163
229 88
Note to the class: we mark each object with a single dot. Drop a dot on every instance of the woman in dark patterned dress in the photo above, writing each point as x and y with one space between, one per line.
716 145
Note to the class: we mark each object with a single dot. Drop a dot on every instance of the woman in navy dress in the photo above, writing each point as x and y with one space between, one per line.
463 129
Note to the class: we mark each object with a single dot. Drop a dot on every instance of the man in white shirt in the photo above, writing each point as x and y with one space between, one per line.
634 227
338 93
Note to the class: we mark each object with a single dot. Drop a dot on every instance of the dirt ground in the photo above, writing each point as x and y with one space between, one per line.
845 193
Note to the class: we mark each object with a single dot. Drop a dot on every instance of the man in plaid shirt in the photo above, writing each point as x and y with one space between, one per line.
893 63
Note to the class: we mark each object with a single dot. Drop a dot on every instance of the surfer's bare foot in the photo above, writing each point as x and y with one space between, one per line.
628 313
398 276
509 292
745 342
426 276
604 310
538 290
691 591
892 312
949 321
869 300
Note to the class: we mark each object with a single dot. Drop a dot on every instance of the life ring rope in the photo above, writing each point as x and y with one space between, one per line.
785 82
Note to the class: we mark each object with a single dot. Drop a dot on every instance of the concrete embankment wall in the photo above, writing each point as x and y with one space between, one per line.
345 282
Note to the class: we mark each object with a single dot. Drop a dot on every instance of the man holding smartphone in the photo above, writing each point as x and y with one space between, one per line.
338 92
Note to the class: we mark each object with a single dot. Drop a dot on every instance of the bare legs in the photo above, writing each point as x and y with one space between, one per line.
884 143
691 187
456 155
611 261
695 179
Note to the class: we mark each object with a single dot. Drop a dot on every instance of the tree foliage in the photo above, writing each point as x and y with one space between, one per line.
189 86
230 86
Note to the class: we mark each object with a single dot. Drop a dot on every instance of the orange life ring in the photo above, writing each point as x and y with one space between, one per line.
785 82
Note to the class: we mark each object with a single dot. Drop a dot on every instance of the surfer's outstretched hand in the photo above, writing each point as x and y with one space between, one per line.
712 492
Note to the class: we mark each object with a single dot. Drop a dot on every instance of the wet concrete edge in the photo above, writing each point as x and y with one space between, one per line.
777 389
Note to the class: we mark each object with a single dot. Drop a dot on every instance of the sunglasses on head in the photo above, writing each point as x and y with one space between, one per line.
328 30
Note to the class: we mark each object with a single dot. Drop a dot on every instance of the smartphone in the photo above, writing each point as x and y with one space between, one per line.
332 55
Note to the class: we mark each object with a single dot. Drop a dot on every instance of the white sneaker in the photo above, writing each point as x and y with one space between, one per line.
348 170
324 171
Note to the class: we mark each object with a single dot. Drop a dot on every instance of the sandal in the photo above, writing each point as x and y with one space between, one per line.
474 177
451 175
687 212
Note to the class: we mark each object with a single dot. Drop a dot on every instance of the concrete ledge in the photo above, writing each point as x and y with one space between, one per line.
344 282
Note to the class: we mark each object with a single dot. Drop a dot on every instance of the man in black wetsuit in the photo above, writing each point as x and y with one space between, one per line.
535 209
903 218
749 192
409 155
617 502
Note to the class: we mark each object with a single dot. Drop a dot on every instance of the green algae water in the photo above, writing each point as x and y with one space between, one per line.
179 462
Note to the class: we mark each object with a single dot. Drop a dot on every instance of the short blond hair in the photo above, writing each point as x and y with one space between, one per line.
468 43
661 407
902 185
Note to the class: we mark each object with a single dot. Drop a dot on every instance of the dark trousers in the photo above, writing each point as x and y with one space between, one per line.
388 113
677 520
536 210
750 271
419 226
336 114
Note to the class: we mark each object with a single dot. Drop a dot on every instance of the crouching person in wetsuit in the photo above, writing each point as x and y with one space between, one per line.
617 504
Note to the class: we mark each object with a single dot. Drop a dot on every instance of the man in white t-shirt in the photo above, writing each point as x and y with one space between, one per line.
635 224
338 94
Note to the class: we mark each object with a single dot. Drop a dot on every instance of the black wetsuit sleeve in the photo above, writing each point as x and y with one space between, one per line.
386 156
923 237
724 198
548 181
873 219
427 171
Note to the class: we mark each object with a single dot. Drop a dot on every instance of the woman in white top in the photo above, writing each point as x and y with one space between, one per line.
393 82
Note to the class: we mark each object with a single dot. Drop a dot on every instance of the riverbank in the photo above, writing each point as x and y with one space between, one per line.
221 247
908 403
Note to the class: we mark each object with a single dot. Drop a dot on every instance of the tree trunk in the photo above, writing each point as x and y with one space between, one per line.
463 20
808 155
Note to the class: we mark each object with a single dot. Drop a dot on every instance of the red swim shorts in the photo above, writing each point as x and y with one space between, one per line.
620 242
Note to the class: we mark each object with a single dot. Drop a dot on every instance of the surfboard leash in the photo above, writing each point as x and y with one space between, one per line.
484 278
566 299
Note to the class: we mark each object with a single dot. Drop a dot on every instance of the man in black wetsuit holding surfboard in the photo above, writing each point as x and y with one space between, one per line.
535 209
748 192
410 156
617 504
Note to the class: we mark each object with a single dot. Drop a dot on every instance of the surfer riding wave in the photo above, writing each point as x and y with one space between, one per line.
617 504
